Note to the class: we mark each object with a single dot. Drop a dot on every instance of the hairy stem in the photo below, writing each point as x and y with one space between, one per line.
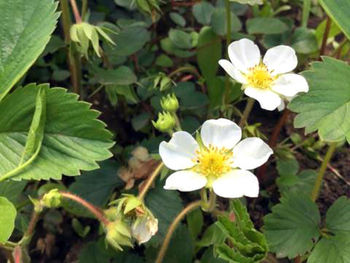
75 10
185 69
325 37
323 168
248 108
27 237
172 228
93 209
150 180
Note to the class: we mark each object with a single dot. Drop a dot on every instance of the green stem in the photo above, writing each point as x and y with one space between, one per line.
325 37
319 179
306 13
172 228
73 60
228 41
177 122
248 108
150 180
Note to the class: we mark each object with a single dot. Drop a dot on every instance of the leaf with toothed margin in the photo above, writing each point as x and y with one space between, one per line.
73 139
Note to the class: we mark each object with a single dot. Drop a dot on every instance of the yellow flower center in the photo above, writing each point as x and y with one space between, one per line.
213 162
259 77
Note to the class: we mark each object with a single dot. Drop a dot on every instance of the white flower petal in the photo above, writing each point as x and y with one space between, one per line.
237 183
267 99
232 71
221 133
251 153
281 106
143 229
185 181
178 153
244 54
290 84
280 59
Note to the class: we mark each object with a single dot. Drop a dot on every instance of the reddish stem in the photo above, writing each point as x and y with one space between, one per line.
75 11
273 140
325 37
93 209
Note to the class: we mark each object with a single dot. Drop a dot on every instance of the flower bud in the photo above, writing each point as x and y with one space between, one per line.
144 228
169 103
52 199
118 235
165 123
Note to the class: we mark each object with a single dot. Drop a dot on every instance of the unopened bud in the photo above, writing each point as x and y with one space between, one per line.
170 103
165 123
52 199
118 235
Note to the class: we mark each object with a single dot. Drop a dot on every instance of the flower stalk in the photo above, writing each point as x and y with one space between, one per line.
248 108
93 209
150 181
75 10
323 168
173 226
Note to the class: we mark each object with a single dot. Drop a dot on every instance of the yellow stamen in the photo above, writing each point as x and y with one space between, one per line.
259 77
213 162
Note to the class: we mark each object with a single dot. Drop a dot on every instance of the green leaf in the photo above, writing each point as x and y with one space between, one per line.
292 226
213 235
95 186
331 250
287 166
266 25
128 41
12 190
165 205
338 216
209 52
94 252
74 139
7 219
180 248
219 22
164 61
180 39
325 106
195 222
244 243
339 11
169 47
177 19
303 182
304 41
120 76
25 29
203 11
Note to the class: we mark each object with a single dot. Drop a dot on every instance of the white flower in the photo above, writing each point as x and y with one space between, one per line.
221 161
144 228
269 80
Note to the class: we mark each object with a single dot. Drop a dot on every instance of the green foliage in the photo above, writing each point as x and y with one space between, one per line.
7 219
243 242
95 186
219 22
325 107
292 181
292 226
88 142
203 11
339 12
25 29
334 245
265 25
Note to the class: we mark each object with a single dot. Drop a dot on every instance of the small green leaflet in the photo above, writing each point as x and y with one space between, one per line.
244 244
